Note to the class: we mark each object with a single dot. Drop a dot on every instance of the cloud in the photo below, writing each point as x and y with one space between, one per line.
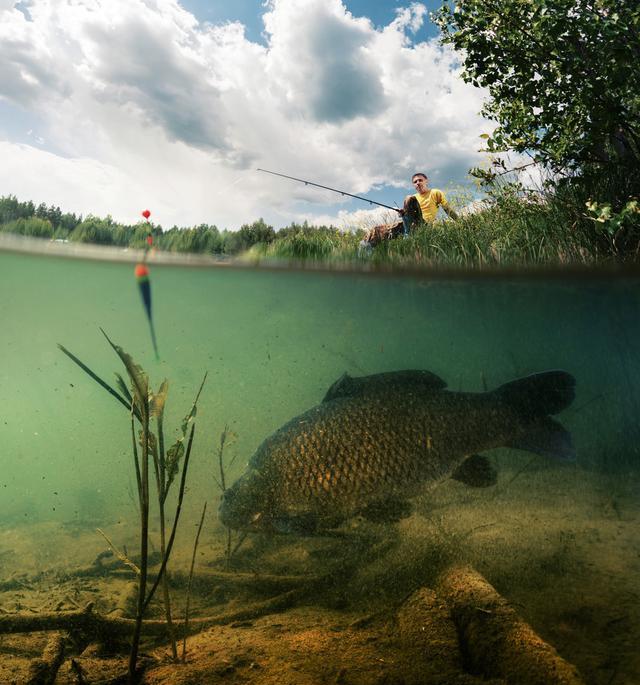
138 102
27 64
321 58
6 5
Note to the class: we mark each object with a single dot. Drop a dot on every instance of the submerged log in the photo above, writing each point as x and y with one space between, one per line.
496 640
101 627
43 671
425 622
426 627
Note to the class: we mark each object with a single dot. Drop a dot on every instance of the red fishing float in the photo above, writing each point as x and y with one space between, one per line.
144 286
141 272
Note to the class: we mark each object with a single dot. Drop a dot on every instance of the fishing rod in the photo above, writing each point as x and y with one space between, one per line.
333 190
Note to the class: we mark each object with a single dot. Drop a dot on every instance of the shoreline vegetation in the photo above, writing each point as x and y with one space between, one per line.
509 228
561 95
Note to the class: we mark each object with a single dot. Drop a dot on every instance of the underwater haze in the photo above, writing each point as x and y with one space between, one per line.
272 343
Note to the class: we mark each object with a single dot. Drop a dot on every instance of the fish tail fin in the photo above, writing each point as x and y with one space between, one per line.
534 398
548 438
539 394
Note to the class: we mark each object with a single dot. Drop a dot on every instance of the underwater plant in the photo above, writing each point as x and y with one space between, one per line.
145 405
227 437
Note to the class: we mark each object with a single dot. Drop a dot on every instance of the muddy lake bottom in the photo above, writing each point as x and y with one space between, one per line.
560 543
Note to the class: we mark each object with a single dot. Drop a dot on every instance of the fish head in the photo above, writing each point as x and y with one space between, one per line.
248 506
245 505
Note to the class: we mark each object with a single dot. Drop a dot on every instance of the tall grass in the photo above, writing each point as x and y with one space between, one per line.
311 245
506 230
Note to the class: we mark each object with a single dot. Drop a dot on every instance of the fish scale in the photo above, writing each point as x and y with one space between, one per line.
388 437
381 453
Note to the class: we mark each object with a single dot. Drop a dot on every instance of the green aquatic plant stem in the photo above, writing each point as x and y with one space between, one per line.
193 563
144 538
222 484
161 490
136 460
163 486
175 520
159 463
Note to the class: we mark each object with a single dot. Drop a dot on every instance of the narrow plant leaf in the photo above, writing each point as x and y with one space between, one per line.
139 379
151 441
184 426
95 377
175 452
123 387
174 455
159 399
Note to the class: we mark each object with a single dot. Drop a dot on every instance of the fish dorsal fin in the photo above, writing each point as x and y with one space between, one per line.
341 388
476 471
390 381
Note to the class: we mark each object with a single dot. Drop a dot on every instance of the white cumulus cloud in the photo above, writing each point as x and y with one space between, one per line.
141 104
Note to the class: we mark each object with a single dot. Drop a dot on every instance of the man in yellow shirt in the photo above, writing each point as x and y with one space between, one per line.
421 207
428 199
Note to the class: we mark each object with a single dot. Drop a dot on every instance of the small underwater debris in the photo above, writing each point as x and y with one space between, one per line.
78 672
123 557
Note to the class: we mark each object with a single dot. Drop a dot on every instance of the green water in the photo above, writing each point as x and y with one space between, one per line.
272 343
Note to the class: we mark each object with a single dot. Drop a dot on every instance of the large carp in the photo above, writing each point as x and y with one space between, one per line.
376 441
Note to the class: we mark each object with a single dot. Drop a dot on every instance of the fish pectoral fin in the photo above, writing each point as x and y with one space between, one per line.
476 471
299 524
548 438
387 510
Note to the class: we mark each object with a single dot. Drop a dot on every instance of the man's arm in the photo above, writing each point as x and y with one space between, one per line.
403 211
450 211
442 201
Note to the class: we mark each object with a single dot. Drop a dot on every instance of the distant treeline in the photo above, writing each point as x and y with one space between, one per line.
25 218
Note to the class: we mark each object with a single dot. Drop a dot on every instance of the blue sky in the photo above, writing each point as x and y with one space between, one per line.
110 107
249 13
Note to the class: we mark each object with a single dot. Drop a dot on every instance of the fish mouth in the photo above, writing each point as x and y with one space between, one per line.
263 522
234 516
255 519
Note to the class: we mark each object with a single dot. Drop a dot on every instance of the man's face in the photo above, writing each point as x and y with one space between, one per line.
420 183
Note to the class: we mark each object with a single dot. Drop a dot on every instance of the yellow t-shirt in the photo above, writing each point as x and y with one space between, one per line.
429 203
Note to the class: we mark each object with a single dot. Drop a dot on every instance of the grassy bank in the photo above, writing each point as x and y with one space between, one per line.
509 231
